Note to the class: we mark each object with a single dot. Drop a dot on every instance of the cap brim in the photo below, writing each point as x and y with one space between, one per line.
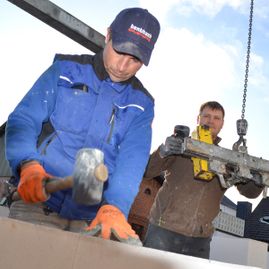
125 46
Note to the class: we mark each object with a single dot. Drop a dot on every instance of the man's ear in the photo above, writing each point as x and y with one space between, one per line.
222 124
198 119
108 35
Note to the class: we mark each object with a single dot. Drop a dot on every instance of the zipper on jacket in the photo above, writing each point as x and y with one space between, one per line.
161 221
111 123
43 151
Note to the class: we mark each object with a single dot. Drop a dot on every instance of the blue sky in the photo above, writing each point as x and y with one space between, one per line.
200 56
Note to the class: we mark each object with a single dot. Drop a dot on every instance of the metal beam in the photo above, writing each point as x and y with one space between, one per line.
231 166
64 22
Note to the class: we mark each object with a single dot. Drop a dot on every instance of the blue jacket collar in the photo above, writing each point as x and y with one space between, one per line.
99 68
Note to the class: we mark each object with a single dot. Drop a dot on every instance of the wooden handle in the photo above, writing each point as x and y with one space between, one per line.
57 184
52 185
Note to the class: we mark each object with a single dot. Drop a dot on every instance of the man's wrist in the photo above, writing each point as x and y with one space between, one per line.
25 163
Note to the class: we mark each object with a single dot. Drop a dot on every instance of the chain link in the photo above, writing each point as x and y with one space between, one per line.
247 60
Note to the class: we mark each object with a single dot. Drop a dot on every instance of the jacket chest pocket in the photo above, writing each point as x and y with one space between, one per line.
121 118
73 110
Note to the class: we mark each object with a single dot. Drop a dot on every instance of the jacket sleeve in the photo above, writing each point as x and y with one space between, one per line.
24 124
157 165
131 161
250 189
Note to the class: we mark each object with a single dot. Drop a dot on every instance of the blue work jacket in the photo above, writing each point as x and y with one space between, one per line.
83 108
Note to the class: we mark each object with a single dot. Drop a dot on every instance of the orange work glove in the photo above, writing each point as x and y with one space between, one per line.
32 180
110 222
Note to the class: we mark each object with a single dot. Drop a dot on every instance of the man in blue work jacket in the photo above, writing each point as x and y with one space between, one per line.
86 101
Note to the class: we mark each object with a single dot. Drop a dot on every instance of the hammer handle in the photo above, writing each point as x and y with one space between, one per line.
57 184
52 185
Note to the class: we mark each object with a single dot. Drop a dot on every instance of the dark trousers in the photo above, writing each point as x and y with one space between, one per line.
162 239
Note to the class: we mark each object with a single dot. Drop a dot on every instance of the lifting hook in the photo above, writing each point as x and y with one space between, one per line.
242 126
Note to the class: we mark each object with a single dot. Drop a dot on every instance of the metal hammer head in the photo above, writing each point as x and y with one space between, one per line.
89 175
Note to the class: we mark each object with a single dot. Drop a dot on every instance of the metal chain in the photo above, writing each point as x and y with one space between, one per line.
247 60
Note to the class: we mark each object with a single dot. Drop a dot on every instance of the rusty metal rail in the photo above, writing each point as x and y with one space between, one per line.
231 166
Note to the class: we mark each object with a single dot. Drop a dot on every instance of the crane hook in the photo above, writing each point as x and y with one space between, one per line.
242 126
242 123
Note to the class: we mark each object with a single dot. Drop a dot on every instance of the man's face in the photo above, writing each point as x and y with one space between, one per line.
212 118
119 66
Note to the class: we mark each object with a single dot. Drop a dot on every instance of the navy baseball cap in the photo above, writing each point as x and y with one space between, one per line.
135 31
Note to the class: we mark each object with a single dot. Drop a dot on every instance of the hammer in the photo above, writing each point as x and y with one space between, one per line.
87 179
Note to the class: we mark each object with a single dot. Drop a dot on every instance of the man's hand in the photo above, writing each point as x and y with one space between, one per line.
172 146
110 222
31 185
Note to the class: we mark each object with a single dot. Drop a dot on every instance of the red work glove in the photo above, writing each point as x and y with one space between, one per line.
110 221
32 179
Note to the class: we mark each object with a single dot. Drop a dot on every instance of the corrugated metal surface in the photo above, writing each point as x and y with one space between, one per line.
229 224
